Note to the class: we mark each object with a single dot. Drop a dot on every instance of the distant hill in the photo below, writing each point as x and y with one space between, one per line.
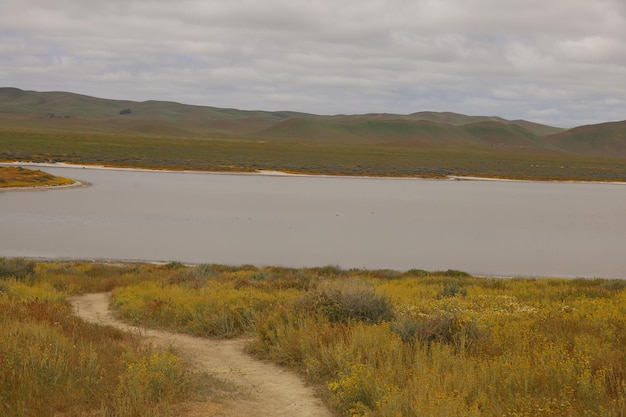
69 111
405 132
149 117
604 139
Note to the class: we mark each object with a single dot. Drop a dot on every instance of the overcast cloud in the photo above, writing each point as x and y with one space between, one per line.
561 62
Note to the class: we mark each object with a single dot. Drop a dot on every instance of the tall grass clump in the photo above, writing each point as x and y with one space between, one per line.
353 300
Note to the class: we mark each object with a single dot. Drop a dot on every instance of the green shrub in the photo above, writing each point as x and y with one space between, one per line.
17 268
208 270
454 274
354 300
406 327
452 289
447 327
414 273
174 265
614 284
384 274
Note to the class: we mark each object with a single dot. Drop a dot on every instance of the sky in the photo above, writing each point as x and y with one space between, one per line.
559 62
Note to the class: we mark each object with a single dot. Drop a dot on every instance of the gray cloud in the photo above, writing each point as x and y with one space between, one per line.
561 62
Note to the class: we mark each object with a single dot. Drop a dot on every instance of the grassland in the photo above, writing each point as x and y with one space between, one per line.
376 343
228 153
11 177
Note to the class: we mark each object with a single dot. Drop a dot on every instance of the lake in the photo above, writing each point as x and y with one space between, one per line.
483 227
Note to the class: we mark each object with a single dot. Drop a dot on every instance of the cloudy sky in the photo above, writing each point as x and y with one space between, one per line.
561 62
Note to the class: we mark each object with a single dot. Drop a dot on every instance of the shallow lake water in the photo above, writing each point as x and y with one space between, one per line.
483 227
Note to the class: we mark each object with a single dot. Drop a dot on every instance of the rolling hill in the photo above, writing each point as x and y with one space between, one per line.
63 111
599 139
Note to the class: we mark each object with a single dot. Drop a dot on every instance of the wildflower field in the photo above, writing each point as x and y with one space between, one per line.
374 343
54 364
384 343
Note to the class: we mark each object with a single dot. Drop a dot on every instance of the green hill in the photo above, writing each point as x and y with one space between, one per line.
604 139
61 110
170 118
433 131
406 132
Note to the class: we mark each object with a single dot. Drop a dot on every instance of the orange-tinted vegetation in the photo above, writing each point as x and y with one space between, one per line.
21 177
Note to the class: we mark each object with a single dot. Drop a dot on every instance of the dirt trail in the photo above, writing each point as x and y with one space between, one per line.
265 389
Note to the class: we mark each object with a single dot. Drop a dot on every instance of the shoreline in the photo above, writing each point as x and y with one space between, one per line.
269 173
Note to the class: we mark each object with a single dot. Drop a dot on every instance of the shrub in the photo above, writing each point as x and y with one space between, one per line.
447 327
406 327
18 268
326 271
455 274
417 273
354 300
174 265
195 277
452 289
613 284
384 274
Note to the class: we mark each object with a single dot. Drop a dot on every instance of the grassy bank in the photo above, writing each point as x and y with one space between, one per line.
229 153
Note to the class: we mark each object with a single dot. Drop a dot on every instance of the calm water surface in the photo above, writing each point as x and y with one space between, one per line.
483 227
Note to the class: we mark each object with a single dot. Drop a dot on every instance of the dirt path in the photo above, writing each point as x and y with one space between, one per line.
265 389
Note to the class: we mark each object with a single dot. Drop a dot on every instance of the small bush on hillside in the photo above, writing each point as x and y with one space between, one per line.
452 289
447 327
407 328
614 284
417 273
174 265
453 273
325 271
354 300
385 274
17 268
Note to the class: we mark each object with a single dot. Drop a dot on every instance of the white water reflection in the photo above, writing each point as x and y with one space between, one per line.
483 227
